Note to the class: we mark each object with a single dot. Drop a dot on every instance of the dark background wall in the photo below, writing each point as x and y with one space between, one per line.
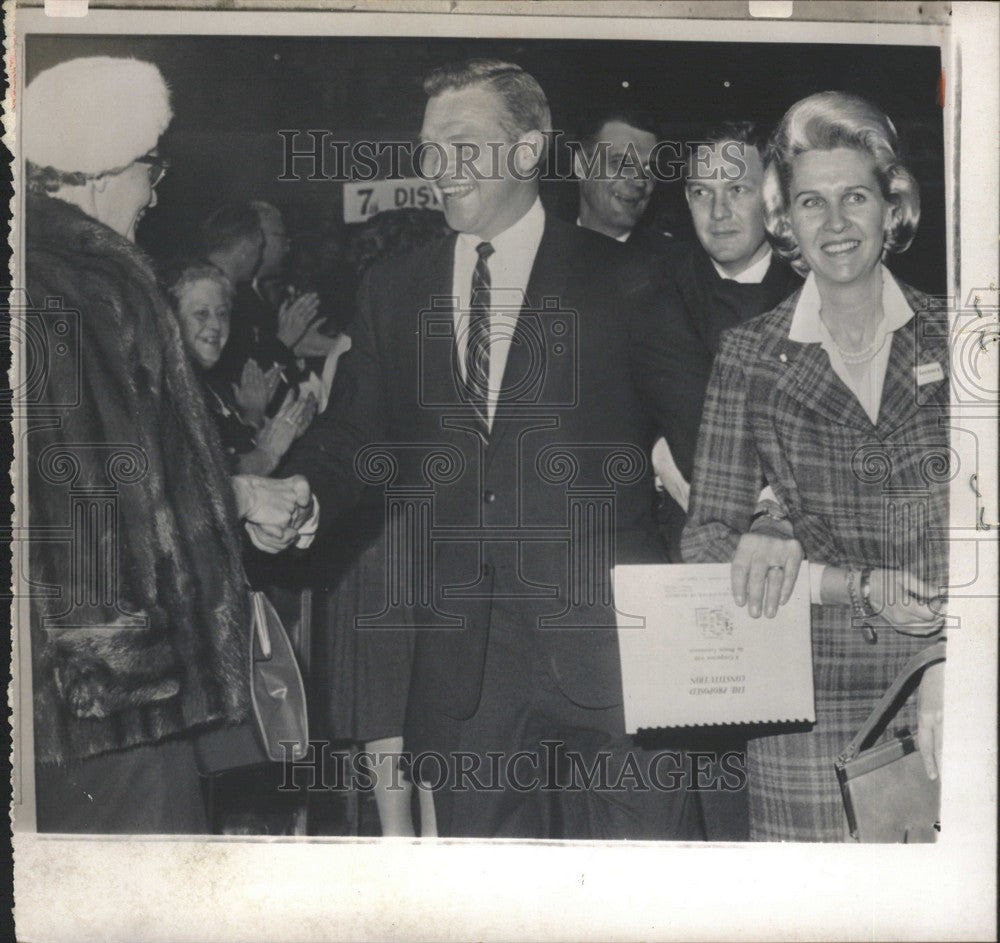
232 94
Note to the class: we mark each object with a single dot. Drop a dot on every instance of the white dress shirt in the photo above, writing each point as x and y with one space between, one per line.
510 267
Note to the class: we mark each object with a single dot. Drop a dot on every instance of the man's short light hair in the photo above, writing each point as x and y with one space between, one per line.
526 105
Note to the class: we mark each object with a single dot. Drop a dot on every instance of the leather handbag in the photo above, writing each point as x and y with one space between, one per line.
888 796
278 727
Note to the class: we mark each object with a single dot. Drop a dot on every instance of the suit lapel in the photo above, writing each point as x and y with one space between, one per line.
900 393
439 383
546 291
812 382
779 282
808 377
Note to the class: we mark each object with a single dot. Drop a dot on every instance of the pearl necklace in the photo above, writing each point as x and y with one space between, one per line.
855 357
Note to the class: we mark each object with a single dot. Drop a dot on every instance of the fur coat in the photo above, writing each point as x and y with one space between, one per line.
139 608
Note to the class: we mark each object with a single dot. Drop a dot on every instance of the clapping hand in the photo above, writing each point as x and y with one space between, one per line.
314 343
294 317
273 509
254 391
291 420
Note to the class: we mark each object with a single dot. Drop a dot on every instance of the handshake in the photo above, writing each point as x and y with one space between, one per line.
276 512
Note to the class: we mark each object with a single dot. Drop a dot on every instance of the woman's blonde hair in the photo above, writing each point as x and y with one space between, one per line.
177 275
825 121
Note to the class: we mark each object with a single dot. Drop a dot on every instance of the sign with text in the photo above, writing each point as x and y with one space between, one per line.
362 201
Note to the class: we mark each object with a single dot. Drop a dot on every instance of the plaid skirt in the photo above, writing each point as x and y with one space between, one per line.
793 789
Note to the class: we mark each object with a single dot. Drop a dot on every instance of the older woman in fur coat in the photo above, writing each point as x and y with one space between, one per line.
139 613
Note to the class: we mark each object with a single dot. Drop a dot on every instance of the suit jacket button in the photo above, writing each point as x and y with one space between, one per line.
489 496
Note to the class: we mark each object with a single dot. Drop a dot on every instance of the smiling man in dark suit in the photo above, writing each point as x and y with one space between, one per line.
615 149
489 391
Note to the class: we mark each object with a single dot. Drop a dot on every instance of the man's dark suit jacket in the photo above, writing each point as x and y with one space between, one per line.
533 520
682 324
654 259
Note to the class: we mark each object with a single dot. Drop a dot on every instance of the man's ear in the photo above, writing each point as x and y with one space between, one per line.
528 155
100 184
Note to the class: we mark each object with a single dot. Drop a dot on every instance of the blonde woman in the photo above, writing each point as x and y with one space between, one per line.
837 401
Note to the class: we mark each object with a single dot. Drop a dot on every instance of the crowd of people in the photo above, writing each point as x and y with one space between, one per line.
720 395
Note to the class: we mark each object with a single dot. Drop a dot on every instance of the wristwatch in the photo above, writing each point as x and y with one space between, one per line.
769 509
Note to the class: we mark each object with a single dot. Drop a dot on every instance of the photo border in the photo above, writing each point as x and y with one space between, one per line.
224 888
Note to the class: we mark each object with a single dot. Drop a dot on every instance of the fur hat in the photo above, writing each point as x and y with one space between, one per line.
94 115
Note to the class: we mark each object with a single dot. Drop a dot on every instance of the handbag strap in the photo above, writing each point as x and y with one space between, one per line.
259 604
925 657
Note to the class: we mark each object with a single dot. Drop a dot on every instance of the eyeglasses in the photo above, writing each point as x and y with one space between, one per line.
158 167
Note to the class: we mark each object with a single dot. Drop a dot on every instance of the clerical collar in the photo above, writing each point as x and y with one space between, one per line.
622 238
753 275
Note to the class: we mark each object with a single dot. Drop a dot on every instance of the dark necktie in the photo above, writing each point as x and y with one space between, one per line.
477 346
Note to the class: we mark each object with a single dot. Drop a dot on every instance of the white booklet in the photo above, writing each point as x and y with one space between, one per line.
691 656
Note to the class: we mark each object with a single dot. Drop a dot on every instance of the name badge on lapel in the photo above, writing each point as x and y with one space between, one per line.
928 373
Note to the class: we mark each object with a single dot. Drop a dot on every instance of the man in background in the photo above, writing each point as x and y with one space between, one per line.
612 163
730 277
283 311
258 362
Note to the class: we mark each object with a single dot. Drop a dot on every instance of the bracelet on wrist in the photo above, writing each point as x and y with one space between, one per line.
865 593
858 610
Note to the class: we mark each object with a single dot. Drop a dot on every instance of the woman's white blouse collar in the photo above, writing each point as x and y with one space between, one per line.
807 328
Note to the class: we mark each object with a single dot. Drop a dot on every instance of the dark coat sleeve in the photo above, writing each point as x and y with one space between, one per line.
671 371
356 416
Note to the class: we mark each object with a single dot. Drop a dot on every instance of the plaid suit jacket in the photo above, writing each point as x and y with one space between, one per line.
856 492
